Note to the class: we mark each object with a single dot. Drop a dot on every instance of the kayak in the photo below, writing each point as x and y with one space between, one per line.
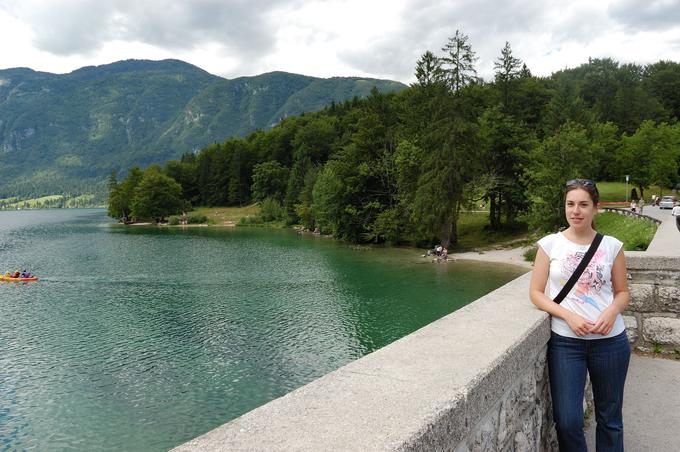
9 278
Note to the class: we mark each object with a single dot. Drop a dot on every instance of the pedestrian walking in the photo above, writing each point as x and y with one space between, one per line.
676 213
587 330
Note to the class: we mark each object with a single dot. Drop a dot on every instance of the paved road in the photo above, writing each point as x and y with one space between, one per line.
655 212
666 241
651 406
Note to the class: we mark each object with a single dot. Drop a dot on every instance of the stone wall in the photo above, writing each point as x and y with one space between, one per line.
522 419
653 316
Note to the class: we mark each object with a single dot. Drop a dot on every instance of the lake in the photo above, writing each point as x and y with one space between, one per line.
141 338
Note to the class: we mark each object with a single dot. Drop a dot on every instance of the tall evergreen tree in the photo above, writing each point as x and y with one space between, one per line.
429 70
507 68
459 62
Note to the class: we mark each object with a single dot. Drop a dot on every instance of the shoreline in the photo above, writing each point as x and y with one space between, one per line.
512 256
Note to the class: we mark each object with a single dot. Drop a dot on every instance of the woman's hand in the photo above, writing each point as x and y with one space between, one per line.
605 322
578 324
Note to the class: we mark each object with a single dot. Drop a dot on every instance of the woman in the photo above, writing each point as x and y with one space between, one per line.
588 333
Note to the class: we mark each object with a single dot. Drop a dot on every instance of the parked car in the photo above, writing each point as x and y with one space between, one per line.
667 202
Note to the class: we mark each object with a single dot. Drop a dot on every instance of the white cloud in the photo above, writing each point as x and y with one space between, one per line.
377 38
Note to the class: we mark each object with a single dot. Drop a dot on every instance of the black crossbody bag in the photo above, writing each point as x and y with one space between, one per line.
579 270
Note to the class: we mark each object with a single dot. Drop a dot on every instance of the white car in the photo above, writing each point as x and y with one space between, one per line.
667 202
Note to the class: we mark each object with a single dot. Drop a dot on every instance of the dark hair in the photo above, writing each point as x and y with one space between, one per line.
584 184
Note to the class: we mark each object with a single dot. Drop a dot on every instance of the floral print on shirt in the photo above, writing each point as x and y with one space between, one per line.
591 280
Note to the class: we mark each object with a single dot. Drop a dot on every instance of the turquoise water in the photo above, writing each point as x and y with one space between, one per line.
141 338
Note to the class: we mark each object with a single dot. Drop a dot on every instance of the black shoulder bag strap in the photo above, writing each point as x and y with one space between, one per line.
579 270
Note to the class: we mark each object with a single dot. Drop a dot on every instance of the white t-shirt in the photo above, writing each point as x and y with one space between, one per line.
593 292
676 211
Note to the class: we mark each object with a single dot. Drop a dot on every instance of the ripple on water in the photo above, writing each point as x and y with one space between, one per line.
142 339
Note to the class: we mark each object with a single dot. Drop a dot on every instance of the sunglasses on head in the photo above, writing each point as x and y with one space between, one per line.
580 183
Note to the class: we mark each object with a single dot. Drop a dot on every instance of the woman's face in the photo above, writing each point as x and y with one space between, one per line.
579 209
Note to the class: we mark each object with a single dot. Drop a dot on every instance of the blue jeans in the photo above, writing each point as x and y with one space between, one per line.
606 360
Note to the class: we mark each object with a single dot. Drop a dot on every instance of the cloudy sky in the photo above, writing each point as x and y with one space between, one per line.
376 38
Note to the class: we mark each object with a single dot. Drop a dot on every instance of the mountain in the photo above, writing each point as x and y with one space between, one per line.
66 132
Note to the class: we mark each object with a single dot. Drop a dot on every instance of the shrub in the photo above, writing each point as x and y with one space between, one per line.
530 254
271 210
173 220
197 219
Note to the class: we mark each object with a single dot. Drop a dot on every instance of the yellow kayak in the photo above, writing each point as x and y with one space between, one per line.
10 279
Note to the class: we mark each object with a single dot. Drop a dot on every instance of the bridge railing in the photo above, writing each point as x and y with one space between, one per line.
630 213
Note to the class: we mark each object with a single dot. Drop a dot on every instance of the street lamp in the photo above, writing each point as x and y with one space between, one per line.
627 177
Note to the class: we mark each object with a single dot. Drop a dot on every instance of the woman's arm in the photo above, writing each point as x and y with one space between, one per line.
539 278
605 322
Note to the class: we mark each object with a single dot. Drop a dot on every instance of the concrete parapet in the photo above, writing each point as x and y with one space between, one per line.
469 381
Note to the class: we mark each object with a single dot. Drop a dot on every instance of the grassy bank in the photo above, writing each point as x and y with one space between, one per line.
635 234
472 233
616 191
225 216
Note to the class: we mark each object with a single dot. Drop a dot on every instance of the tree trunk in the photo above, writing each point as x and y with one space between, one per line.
494 212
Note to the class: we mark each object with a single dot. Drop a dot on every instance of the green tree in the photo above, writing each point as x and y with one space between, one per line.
185 172
329 207
507 68
156 196
120 201
606 145
114 208
429 70
662 80
650 156
563 156
459 62
270 180
504 145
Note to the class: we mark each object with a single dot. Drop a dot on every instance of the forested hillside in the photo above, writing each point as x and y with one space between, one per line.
400 167
63 134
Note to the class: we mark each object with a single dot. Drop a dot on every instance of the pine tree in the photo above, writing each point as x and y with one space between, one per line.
459 62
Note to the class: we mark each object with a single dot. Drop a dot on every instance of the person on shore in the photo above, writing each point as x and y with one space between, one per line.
633 206
587 330
676 213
